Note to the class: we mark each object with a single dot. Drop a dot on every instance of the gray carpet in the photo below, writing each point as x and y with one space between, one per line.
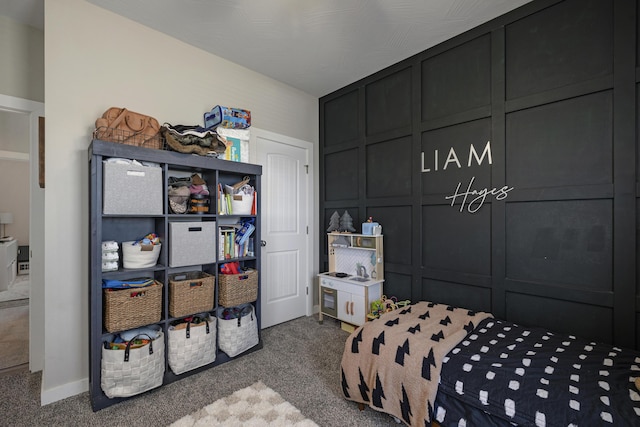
300 360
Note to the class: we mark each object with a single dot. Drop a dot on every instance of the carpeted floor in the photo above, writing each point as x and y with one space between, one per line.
300 361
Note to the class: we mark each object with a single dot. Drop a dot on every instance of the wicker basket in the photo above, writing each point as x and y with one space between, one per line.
236 289
129 138
129 308
238 334
190 292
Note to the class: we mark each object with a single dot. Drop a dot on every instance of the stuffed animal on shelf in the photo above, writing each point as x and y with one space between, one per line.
334 222
346 223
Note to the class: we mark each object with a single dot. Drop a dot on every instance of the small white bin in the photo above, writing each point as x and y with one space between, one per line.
241 204
192 243
138 255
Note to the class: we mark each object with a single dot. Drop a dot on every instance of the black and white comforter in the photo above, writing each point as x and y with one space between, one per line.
503 374
393 363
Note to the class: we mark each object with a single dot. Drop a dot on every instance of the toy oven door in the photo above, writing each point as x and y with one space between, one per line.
329 301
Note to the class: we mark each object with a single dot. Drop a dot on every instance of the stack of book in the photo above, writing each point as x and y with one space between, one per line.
235 241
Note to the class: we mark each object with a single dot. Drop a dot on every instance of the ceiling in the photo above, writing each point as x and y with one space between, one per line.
315 46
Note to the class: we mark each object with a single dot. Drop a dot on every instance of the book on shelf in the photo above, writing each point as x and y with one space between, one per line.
226 242
235 240
254 206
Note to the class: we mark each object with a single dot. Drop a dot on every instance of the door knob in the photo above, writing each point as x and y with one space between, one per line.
263 243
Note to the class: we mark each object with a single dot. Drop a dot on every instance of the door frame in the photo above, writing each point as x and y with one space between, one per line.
312 235
36 228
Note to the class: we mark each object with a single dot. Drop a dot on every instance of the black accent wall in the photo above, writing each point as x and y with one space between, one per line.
534 116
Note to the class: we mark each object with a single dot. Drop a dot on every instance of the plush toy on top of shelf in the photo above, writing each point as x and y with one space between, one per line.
334 222
346 223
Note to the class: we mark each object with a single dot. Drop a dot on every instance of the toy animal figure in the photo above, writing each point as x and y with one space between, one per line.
389 303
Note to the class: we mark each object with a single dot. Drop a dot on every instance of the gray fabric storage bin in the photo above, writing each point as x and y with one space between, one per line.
192 243
132 189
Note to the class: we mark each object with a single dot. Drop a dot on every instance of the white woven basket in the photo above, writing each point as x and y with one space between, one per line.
129 372
133 256
193 346
241 204
239 334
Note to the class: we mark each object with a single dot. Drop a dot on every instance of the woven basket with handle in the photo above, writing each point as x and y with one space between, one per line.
190 292
236 289
129 308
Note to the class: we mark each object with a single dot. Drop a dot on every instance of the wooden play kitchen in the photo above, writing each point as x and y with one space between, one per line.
354 279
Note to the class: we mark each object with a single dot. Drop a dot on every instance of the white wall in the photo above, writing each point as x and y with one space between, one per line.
14 196
14 171
95 59
21 67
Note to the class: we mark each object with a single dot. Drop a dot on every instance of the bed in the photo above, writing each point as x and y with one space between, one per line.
431 362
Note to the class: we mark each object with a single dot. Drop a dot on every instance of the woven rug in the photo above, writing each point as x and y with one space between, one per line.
19 289
256 405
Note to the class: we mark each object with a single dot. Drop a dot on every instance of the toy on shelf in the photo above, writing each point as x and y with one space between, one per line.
384 305
346 223
334 222
371 228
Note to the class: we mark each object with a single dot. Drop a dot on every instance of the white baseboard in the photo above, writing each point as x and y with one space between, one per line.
63 391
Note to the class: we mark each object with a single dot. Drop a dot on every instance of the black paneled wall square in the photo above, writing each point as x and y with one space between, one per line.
341 175
568 43
637 290
457 241
389 168
563 143
389 102
561 243
638 44
638 132
457 80
341 119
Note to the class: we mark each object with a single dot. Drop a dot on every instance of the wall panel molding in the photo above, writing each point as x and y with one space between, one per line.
548 220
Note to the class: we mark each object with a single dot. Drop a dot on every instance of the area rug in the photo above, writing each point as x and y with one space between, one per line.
256 405
19 289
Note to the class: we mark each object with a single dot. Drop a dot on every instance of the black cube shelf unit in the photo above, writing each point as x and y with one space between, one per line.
125 227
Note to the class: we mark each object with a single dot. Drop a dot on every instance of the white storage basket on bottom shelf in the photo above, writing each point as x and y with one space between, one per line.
192 345
130 371
237 329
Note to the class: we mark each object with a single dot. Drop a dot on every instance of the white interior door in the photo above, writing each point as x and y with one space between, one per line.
36 229
286 196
